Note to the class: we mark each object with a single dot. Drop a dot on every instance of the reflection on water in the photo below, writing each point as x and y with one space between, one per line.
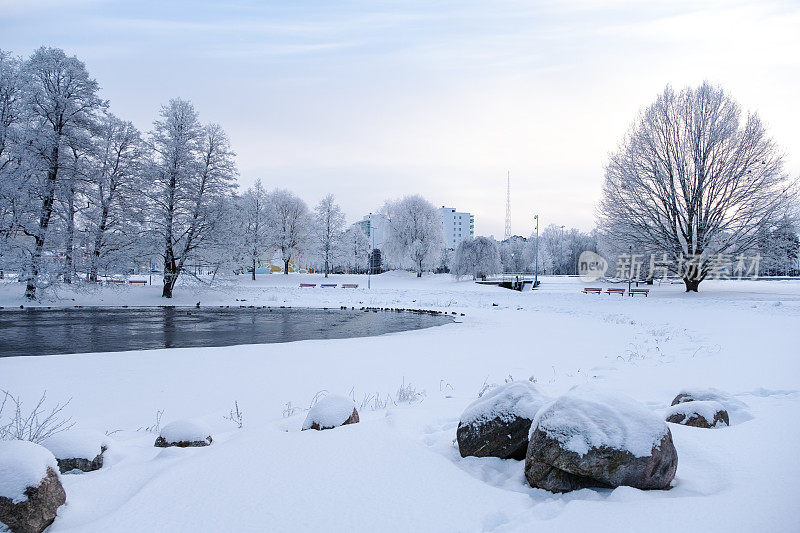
60 331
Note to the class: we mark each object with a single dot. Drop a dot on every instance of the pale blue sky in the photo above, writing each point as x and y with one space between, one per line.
372 100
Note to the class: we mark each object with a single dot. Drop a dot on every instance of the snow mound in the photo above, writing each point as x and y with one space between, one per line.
587 418
23 464
329 412
72 444
705 408
185 431
737 409
516 399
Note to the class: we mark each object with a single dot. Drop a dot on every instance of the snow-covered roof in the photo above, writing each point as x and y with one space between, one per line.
23 464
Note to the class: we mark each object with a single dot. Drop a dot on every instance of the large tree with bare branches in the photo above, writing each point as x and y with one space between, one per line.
694 180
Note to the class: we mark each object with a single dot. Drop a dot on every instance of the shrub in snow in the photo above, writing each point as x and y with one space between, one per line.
497 424
184 434
78 450
699 414
30 489
330 412
734 408
589 438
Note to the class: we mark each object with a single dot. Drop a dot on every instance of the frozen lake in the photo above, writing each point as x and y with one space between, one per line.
37 331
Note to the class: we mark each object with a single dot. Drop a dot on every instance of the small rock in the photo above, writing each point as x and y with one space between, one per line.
184 434
330 412
700 414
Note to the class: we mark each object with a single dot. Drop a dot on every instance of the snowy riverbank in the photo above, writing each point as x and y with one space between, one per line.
398 468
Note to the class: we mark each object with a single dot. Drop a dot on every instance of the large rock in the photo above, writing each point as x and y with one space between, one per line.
78 450
30 489
588 438
329 412
700 414
497 424
184 434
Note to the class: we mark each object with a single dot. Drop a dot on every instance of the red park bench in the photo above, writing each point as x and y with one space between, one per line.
639 291
621 292
308 284
349 285
593 290
138 281
328 285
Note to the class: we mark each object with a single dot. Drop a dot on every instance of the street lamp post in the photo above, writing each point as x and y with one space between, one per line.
630 276
536 268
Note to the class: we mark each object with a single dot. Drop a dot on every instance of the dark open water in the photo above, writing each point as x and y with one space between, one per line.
62 331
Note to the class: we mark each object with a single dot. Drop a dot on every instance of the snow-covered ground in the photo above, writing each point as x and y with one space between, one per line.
398 469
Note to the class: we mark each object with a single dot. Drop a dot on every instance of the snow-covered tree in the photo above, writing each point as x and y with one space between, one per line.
513 254
478 257
193 173
256 223
693 181
59 104
353 249
328 229
779 247
291 225
415 233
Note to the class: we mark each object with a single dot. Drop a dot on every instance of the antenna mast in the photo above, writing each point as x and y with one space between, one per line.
508 207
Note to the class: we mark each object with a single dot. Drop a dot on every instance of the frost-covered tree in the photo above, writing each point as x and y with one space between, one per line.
779 247
255 205
513 254
478 257
415 233
291 225
115 204
193 173
693 180
10 110
59 104
353 249
328 228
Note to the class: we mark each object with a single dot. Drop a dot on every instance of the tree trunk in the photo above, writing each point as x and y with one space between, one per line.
286 266
254 269
326 267
691 284
44 222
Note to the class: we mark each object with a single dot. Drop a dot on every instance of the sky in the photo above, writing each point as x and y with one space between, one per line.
376 100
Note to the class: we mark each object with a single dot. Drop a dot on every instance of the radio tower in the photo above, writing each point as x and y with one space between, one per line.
508 207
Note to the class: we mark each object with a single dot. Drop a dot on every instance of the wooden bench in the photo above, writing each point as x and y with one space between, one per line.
639 291
138 281
115 281
621 292
328 285
308 284
349 285
593 290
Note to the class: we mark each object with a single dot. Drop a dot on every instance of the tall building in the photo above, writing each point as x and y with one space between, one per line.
377 225
456 226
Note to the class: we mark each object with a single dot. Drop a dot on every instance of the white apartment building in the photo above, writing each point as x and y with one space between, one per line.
375 225
456 226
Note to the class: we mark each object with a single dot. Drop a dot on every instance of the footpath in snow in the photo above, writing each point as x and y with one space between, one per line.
399 468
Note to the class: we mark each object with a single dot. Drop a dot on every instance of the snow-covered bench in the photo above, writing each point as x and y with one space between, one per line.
327 285
621 292
593 290
639 291
308 284
349 285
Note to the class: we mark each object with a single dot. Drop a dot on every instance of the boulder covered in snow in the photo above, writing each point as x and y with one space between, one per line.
589 438
735 409
700 414
30 488
78 449
184 434
497 424
330 412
